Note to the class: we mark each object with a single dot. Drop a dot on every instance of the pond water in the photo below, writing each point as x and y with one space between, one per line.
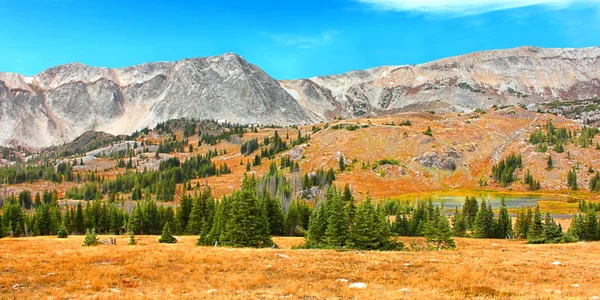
452 199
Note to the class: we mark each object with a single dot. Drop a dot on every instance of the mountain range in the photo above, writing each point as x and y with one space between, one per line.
61 103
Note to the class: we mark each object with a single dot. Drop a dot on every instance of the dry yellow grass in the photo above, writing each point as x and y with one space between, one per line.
46 267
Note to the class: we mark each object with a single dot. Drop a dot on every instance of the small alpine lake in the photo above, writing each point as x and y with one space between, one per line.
560 206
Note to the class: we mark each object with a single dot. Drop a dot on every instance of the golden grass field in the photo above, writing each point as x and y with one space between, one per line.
47 267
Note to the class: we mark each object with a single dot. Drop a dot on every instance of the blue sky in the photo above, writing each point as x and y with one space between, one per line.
288 39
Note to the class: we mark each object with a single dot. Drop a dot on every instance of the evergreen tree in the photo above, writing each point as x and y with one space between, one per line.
135 221
439 233
90 239
572 179
247 225
183 212
79 219
167 235
469 211
274 215
365 234
484 222
504 228
341 163
337 224
459 226
534 235
523 223
590 225
428 131
316 227
196 217
62 231
132 241
549 163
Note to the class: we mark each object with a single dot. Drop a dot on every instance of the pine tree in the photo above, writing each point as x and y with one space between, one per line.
135 221
504 227
428 131
274 215
572 179
469 211
534 235
247 225
316 227
90 239
292 218
62 231
132 241
482 226
590 225
79 220
549 163
337 223
438 233
183 212
364 234
459 224
196 218
167 235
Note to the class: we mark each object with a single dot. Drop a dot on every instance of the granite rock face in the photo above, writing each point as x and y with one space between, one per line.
523 75
63 102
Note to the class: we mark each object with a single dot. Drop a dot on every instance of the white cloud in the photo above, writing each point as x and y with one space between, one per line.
302 40
467 7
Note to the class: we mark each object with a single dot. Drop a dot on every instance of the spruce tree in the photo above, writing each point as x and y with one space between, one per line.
549 163
135 221
316 227
572 179
337 224
482 225
364 234
459 224
534 235
504 227
292 219
183 212
167 235
274 214
62 231
591 225
247 225
469 211
90 239
196 218
132 241
79 220
439 233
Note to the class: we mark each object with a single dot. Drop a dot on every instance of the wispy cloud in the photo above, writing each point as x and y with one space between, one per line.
301 40
467 7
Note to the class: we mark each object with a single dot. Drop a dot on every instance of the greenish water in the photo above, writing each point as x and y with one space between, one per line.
452 199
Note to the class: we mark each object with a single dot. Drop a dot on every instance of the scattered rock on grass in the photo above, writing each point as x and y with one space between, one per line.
358 285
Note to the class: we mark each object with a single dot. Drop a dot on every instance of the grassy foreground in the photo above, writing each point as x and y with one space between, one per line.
52 268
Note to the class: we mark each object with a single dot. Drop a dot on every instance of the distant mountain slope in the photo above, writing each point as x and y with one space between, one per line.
63 102
478 80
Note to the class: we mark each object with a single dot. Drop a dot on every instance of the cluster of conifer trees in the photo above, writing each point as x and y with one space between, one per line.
264 207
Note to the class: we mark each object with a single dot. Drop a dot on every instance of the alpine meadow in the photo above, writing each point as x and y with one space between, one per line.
454 152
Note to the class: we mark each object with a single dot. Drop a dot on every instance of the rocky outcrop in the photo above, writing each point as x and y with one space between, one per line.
433 160
63 102
478 80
